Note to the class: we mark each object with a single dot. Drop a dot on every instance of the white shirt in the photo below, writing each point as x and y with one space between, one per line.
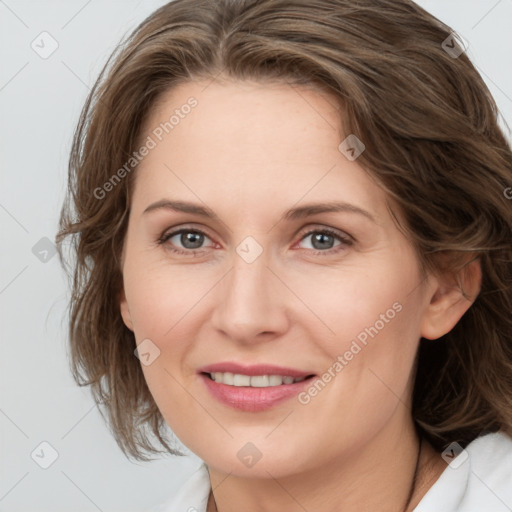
478 479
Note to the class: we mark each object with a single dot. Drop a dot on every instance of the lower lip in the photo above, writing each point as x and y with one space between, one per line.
252 399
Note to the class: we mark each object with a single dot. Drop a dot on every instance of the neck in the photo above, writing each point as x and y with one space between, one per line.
387 467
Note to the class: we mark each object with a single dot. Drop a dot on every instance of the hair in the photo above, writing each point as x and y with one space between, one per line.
433 143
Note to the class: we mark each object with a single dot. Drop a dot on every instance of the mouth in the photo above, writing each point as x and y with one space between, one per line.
255 388
253 381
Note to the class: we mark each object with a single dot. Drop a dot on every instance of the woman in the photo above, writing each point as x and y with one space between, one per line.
294 214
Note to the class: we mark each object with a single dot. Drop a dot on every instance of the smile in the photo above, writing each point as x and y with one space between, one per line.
254 381
245 394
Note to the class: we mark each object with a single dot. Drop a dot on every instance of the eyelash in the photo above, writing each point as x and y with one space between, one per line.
346 241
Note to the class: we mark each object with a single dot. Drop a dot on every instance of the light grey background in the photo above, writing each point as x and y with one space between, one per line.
40 100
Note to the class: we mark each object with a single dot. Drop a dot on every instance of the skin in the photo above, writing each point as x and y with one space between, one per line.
250 151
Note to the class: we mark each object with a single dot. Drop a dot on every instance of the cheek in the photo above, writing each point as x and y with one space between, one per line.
175 400
373 317
354 304
159 295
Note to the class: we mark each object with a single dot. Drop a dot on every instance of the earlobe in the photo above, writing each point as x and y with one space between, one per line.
125 312
450 300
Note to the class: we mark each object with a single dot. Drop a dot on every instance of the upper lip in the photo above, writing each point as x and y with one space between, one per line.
255 369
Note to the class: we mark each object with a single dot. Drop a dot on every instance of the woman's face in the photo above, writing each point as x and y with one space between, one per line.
266 277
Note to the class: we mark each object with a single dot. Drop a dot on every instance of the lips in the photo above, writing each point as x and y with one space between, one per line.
257 369
253 399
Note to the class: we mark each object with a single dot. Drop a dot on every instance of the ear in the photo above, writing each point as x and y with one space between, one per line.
125 312
451 298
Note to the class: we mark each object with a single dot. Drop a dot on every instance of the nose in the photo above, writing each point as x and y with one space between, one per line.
251 302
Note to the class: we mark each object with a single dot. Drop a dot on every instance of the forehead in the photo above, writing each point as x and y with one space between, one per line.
244 113
255 143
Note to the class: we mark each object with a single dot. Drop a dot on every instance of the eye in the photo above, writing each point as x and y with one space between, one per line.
323 240
190 239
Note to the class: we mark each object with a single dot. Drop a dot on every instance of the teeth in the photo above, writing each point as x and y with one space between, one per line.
238 380
256 381
260 381
275 380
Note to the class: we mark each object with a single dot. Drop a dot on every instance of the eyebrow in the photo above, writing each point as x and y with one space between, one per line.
297 213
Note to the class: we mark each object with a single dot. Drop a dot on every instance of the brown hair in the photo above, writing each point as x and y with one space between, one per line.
432 141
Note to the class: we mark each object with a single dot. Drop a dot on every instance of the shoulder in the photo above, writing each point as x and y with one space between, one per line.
477 478
192 495
490 477
491 453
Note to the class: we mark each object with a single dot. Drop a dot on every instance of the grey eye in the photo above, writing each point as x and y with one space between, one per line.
322 240
188 239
